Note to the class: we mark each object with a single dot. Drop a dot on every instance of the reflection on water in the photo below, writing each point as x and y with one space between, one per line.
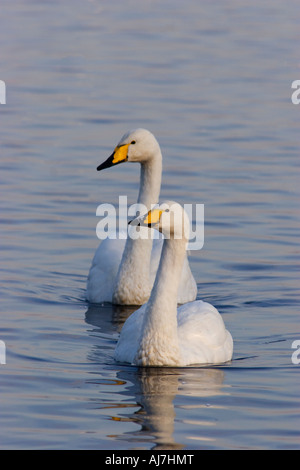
151 393
108 313
193 407
154 389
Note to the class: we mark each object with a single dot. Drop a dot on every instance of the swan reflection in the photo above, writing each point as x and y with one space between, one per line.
153 397
156 389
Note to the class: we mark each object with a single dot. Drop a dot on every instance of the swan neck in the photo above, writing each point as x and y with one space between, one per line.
168 276
133 284
150 181
159 344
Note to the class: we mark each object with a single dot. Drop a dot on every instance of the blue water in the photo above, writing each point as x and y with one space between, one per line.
212 81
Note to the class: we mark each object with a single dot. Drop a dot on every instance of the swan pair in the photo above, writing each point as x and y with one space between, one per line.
158 276
117 274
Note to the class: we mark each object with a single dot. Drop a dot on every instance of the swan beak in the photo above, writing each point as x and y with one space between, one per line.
118 156
150 220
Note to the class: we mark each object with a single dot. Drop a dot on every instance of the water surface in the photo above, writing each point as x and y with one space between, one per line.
212 81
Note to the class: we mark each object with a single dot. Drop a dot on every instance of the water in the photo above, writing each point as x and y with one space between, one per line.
212 81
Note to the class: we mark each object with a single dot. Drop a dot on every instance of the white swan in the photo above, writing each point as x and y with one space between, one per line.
159 333
117 274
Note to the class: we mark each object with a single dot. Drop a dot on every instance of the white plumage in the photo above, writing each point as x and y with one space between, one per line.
159 333
117 274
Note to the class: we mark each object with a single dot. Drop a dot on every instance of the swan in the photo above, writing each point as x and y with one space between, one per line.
117 274
159 333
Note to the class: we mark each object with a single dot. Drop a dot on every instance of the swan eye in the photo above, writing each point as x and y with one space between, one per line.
167 210
133 142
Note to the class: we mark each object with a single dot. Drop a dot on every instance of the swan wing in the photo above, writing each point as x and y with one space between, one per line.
202 335
104 269
129 339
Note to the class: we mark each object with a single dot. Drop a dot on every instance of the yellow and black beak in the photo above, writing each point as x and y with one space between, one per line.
118 156
151 219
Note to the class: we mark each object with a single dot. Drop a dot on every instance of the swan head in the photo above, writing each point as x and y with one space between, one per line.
138 145
169 218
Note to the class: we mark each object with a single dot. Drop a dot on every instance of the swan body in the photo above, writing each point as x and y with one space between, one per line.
159 333
117 274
